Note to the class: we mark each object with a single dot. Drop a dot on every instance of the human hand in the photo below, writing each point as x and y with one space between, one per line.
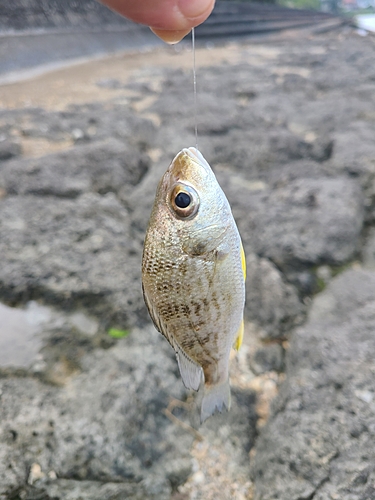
170 20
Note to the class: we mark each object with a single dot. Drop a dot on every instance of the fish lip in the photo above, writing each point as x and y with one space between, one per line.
197 157
185 159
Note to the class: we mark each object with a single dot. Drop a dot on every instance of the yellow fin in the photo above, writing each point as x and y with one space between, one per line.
239 338
243 262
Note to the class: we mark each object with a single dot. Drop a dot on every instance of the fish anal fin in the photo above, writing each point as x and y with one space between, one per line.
239 337
216 398
191 373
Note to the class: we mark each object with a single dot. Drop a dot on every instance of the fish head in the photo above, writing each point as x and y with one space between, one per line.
190 198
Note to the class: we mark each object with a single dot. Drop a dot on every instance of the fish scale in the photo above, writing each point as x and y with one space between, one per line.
193 275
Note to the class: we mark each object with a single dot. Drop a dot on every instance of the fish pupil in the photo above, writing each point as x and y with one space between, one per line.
182 200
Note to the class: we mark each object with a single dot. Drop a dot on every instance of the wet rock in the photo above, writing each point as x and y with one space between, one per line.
45 342
319 441
20 339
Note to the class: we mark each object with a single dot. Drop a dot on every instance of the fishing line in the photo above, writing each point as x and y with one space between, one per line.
195 88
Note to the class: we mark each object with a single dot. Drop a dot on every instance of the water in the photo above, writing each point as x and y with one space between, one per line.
366 22
19 340
22 331
26 54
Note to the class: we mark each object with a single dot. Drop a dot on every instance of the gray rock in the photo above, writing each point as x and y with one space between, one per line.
269 357
71 253
235 431
102 431
76 490
106 424
257 154
290 134
307 222
368 251
296 222
271 302
287 146
82 123
9 149
110 83
102 167
319 441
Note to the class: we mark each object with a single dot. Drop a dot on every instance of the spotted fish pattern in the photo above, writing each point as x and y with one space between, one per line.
193 276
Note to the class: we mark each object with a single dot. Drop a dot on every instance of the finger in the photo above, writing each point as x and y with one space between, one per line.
164 15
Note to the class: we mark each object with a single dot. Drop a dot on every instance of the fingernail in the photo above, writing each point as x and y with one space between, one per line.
192 9
170 36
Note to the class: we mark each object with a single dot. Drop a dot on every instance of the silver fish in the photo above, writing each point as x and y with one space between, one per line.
193 276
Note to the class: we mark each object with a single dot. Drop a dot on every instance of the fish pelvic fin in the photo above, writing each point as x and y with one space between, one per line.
216 398
191 373
238 342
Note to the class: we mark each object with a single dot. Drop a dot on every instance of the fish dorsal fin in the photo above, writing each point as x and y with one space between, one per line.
191 373
239 337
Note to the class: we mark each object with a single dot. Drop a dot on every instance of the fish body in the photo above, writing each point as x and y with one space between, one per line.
193 276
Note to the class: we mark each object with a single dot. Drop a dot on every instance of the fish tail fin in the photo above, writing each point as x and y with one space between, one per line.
216 398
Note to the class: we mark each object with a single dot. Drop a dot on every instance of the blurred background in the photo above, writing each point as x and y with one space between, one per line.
50 32
92 110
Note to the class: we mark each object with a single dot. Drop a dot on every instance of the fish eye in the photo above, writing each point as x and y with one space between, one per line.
184 201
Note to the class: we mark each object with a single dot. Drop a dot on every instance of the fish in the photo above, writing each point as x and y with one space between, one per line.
193 276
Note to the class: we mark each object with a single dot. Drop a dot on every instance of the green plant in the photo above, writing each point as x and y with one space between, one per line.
117 333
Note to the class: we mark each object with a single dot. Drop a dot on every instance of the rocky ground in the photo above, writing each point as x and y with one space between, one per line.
288 126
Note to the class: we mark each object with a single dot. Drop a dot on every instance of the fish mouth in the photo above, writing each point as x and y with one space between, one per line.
197 156
187 165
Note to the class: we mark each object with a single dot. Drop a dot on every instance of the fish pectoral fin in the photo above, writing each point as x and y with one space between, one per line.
204 240
191 373
239 337
151 311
